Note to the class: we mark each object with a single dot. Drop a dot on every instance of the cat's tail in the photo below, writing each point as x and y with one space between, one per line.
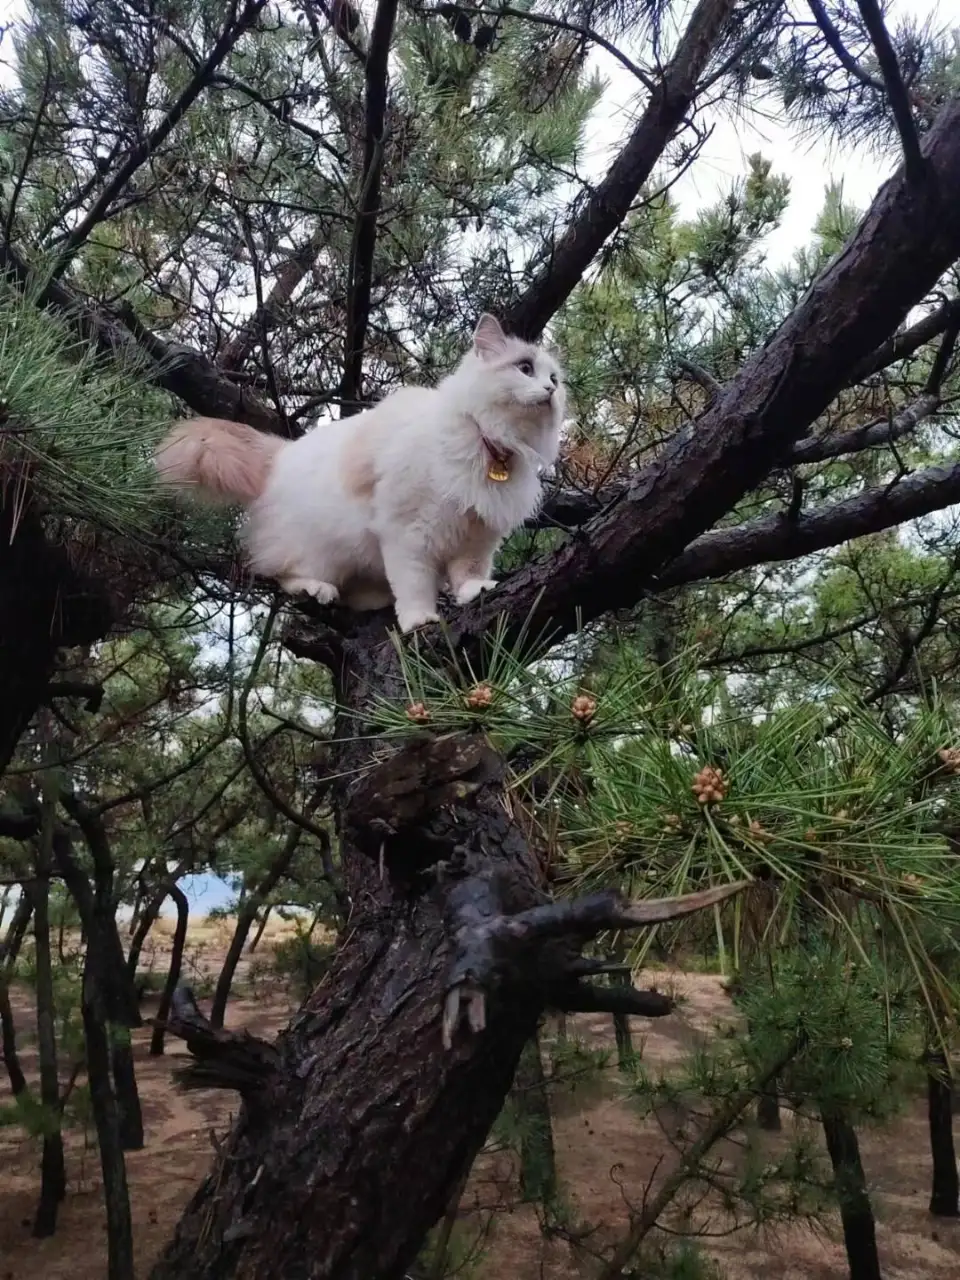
216 460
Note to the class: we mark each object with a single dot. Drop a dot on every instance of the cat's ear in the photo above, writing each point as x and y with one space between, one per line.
489 340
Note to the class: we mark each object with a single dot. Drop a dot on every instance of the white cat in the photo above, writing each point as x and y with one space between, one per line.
386 505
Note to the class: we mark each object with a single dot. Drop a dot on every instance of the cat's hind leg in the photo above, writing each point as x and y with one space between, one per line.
324 592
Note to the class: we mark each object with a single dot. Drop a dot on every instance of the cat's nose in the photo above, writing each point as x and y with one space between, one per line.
549 389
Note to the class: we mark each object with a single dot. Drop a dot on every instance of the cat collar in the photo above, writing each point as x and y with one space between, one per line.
499 468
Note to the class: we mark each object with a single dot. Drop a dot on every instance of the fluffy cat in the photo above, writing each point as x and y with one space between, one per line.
388 504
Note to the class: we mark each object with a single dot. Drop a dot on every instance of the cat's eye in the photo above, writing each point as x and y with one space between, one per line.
525 367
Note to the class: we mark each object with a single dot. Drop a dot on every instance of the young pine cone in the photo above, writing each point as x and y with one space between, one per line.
584 707
709 785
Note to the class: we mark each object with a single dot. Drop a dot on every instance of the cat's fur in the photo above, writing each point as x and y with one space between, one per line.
390 503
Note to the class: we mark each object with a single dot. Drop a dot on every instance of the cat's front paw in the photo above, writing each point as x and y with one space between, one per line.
410 619
322 592
472 588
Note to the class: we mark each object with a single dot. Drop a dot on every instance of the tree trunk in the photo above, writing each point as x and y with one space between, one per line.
8 957
125 1084
250 904
245 919
945 1189
856 1212
173 973
302 1189
538 1161
410 1043
104 957
146 922
107 1120
261 925
11 1059
53 1176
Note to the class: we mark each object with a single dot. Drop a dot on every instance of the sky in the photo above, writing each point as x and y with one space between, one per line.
811 165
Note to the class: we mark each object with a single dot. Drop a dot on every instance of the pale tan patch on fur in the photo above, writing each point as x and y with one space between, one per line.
220 460
472 558
358 470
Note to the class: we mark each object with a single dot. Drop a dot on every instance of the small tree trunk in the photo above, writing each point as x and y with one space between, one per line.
538 1161
173 973
125 1084
945 1190
856 1212
107 1120
260 928
250 904
146 922
221 995
11 1059
8 956
53 1177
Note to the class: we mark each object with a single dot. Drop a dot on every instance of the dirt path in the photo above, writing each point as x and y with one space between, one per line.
607 1155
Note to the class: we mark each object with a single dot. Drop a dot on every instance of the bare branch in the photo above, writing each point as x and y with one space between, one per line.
820 448
905 343
492 945
613 197
587 917
156 137
773 538
914 163
835 41
177 368
368 206
583 997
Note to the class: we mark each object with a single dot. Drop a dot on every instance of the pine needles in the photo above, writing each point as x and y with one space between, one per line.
84 425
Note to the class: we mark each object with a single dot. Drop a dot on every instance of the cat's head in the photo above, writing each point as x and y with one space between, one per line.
516 389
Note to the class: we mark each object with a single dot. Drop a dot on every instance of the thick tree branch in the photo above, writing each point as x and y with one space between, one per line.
904 243
222 1059
100 209
905 343
177 368
582 997
774 538
491 945
368 206
820 448
612 199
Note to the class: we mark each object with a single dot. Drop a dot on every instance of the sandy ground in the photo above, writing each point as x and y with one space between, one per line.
607 1157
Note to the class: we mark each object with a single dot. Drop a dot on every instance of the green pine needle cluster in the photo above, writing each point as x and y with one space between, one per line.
85 425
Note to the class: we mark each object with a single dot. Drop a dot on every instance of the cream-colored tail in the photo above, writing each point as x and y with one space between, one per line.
217 460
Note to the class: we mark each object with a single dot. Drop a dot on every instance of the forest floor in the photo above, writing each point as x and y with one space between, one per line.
607 1156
